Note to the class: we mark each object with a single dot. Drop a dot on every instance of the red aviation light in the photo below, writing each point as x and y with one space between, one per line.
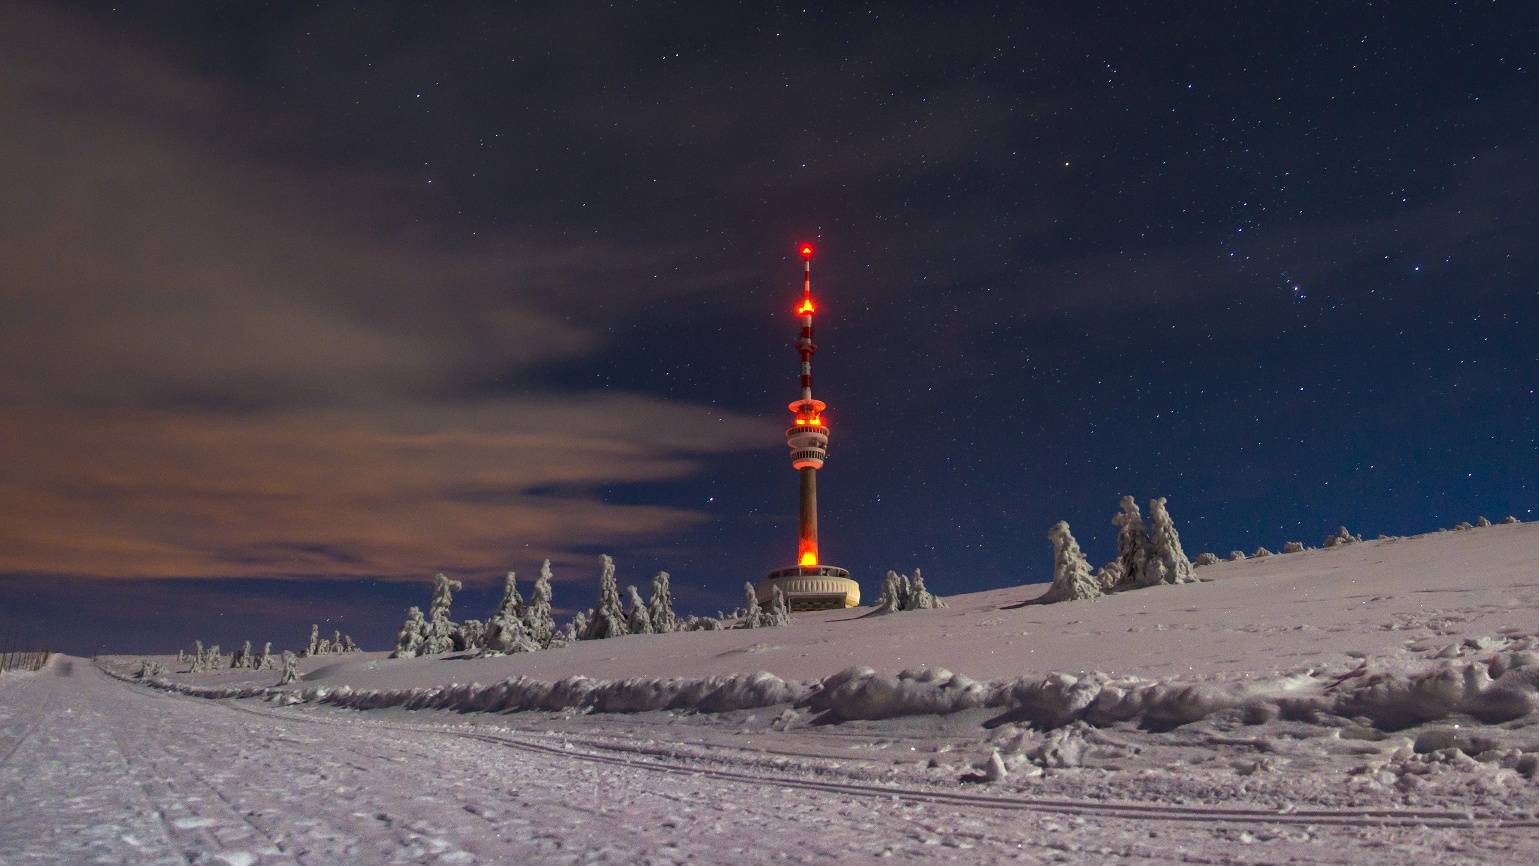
806 251
806 307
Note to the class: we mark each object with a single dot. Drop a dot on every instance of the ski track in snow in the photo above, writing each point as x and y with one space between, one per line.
116 773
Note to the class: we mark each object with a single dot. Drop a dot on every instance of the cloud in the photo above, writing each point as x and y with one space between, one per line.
219 362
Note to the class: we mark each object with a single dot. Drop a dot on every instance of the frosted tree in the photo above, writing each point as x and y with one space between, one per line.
508 634
506 631
753 615
1293 547
1072 580
347 644
1339 537
1205 559
608 618
578 625
1482 521
290 669
1109 576
470 635
538 620
1509 520
315 640
891 599
265 661
408 641
197 658
1133 543
637 619
919 596
512 603
1167 562
336 640
779 612
438 637
1261 551
660 606
1236 555
246 659
215 659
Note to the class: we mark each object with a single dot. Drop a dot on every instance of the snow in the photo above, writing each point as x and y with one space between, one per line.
1376 702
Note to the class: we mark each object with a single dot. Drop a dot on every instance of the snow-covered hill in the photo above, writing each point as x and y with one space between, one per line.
1378 698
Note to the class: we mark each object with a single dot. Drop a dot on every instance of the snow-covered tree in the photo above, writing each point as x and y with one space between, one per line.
577 627
891 599
1293 547
347 644
660 605
1261 551
1205 559
539 623
1072 580
265 661
637 619
753 615
197 658
314 646
1167 562
1133 543
779 612
920 597
438 637
244 659
1109 576
215 659
608 618
507 634
512 603
408 641
470 636
290 669
1509 520
1236 555
1482 521
1341 536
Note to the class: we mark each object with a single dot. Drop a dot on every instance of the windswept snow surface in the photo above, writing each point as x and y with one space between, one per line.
1368 703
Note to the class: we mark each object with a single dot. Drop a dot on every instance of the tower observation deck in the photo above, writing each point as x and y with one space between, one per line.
809 584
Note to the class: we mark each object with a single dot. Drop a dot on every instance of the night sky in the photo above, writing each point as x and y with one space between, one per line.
301 305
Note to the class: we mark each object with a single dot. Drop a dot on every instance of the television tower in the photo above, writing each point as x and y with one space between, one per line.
809 584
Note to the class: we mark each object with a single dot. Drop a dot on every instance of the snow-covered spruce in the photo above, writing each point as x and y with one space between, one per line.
470 636
1109 576
291 668
779 612
1482 521
1236 555
1167 562
1509 520
265 662
753 615
507 630
408 641
1205 559
891 599
1341 536
1261 551
438 634
314 647
1072 580
901 592
1463 525
637 619
539 622
608 619
1293 547
1132 543
920 597
660 605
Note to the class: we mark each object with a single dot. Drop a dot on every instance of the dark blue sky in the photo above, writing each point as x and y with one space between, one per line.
306 304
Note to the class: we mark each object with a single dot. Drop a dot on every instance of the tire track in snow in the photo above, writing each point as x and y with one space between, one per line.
1367 818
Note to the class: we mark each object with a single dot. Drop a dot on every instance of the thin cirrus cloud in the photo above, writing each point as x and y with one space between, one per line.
213 364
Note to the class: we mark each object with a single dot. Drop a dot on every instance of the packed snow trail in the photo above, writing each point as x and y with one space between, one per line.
103 771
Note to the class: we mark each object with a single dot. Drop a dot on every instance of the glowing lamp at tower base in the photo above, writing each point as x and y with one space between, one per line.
808 585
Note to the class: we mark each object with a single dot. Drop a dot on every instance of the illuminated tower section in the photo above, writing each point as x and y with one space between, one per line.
809 584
